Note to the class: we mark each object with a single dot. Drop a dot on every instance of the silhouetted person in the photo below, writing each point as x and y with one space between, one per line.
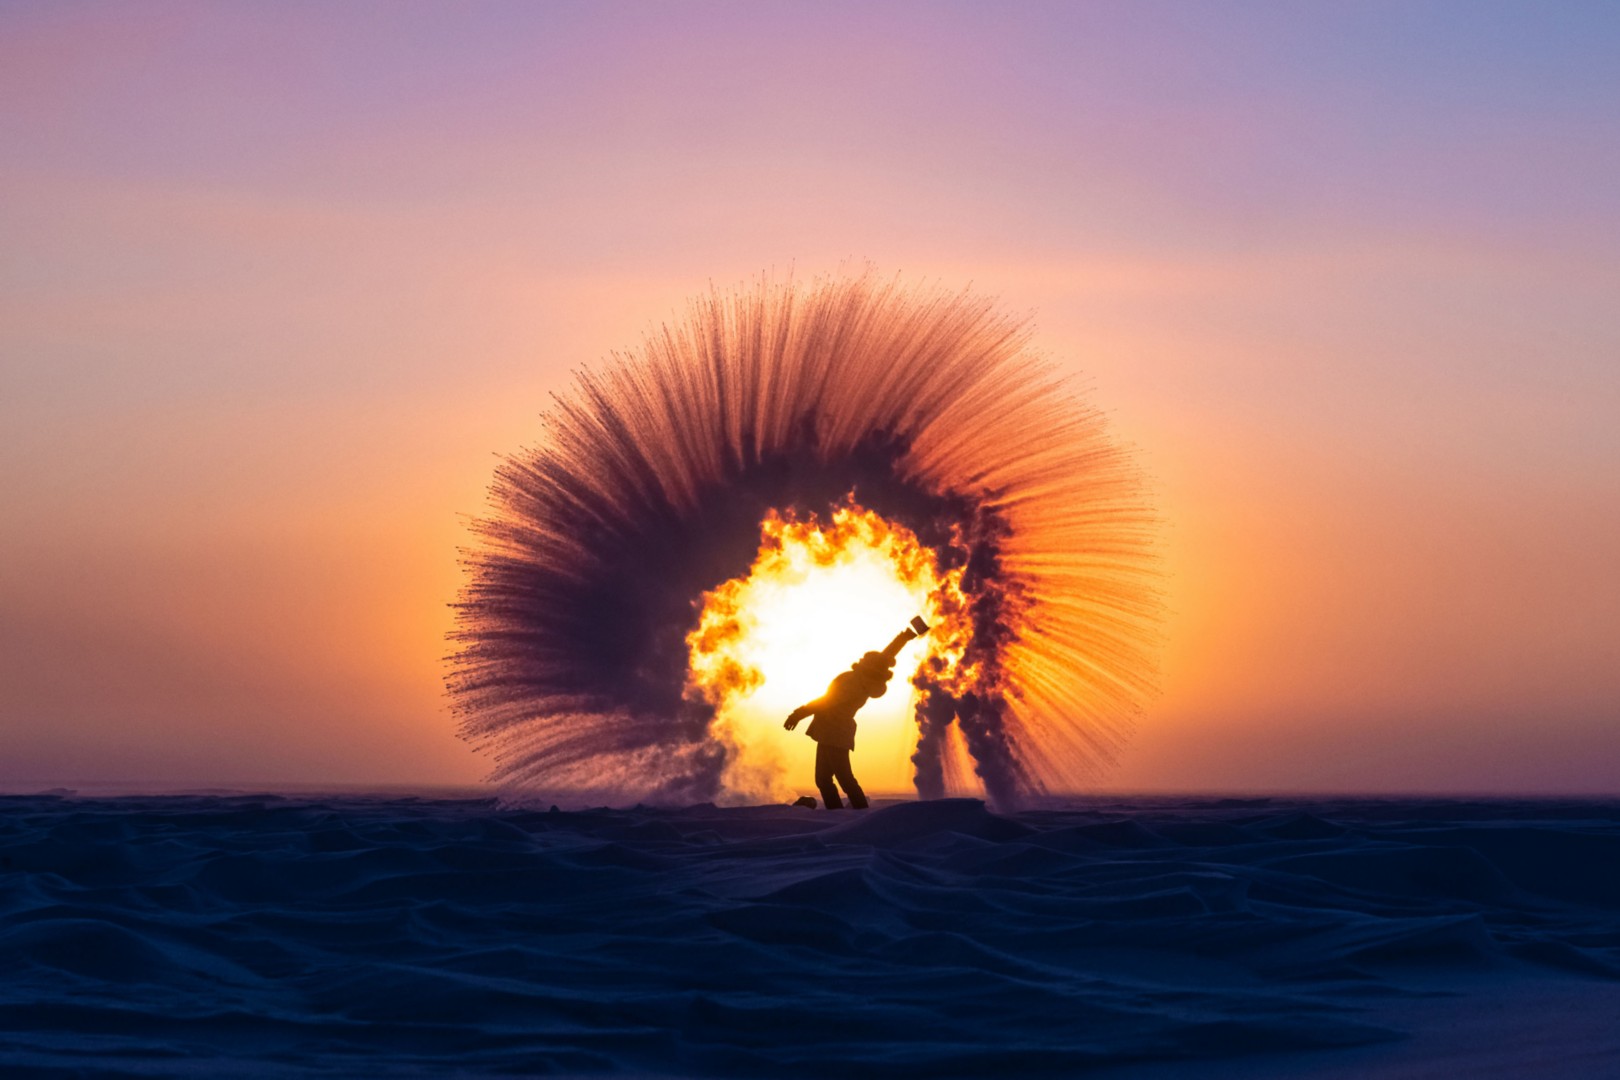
834 725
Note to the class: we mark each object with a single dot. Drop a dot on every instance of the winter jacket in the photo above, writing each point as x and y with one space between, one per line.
834 711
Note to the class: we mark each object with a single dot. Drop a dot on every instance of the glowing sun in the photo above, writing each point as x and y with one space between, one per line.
816 598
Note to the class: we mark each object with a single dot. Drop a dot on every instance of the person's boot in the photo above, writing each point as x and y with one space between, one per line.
857 799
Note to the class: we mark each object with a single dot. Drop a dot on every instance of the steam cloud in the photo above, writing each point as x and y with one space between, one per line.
653 475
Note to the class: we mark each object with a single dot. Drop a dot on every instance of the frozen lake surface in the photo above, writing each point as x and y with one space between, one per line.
219 936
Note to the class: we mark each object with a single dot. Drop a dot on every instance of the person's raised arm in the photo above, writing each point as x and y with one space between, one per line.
892 649
916 630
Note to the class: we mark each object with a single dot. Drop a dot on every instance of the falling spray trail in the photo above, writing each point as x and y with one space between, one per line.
652 479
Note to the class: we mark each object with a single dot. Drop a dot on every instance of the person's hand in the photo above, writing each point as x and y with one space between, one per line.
792 721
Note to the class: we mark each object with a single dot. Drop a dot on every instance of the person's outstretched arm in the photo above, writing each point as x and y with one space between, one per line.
803 711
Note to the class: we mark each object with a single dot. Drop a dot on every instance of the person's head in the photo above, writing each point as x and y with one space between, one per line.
875 669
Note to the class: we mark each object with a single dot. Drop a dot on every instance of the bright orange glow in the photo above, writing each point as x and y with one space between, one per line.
816 598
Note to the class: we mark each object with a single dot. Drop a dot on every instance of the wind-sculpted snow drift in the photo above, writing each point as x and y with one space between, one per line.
285 937
652 479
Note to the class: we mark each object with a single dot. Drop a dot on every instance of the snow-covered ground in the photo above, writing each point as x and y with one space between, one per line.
1143 938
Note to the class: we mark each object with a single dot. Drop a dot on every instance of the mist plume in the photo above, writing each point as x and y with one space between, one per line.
652 477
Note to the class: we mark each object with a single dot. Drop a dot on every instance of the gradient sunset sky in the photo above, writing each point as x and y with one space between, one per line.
278 281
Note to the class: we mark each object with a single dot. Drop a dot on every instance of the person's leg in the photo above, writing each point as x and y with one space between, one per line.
845 774
826 764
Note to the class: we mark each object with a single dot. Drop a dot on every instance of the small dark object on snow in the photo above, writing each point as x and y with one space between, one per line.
806 801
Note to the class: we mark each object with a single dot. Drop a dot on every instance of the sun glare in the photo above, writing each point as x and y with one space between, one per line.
816 598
